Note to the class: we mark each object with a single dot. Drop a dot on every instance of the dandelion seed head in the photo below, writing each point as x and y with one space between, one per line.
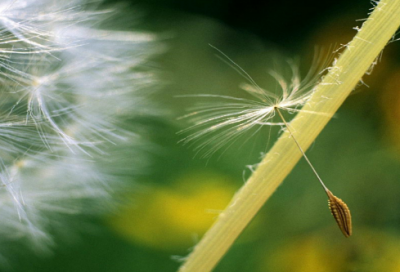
69 92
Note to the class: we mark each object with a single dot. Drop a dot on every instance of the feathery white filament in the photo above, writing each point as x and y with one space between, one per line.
67 89
226 118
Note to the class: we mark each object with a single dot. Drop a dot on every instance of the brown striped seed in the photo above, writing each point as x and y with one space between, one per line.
341 213
338 208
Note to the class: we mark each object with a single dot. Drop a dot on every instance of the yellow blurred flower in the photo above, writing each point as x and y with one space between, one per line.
175 216
366 251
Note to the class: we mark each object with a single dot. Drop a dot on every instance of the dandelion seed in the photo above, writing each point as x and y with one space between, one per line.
225 122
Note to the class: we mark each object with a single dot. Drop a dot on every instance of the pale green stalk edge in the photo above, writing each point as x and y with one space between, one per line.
280 160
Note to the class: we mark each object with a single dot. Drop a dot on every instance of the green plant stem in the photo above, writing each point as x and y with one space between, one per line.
283 156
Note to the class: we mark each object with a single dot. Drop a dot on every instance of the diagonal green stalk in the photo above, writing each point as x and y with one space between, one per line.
280 160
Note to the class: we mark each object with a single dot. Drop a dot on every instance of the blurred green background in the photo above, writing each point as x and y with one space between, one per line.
357 154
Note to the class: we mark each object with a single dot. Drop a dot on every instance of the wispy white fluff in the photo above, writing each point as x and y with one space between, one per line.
68 90
221 120
32 25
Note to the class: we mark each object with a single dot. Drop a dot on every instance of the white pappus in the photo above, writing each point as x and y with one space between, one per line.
70 86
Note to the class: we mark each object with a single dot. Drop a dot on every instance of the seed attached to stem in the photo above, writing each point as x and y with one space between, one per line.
240 115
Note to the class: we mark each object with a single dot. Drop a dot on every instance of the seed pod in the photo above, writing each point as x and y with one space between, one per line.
341 213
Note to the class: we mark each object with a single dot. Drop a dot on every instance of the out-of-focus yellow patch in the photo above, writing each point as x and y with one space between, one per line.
390 104
307 255
175 216
366 251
